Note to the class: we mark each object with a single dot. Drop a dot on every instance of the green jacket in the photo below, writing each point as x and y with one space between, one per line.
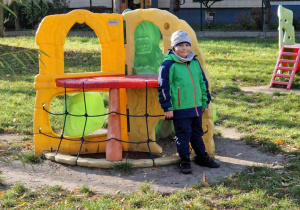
183 87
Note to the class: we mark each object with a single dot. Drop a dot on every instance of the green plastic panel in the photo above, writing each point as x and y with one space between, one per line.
148 55
285 28
74 125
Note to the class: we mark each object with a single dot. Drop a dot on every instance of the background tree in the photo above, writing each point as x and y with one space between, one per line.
14 4
117 6
267 13
1 19
174 7
15 10
208 4
2 5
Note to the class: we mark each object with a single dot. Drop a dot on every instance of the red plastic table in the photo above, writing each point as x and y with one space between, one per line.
113 147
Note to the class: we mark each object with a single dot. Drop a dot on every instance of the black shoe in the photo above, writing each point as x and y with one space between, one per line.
185 167
205 160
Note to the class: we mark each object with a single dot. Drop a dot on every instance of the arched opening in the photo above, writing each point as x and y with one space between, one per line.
75 103
82 54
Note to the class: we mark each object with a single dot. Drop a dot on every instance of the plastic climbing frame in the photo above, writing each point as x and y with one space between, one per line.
119 56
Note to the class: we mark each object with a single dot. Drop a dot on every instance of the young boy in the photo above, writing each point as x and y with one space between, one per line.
184 96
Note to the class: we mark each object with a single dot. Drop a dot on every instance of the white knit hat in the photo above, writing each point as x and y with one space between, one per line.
179 37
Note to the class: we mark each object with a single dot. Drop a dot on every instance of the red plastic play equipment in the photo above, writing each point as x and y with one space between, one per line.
113 147
116 81
287 64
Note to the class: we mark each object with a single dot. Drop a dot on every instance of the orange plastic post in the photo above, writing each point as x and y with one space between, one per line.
113 147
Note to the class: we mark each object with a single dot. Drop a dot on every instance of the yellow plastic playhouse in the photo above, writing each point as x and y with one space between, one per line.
122 49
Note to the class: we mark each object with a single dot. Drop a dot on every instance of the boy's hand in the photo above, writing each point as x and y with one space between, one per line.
204 110
168 114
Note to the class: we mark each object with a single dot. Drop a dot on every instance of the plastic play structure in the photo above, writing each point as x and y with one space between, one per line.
288 60
130 58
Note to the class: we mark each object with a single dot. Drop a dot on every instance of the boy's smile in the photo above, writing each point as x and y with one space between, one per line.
183 49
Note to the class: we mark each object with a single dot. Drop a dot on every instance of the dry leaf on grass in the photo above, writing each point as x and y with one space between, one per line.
204 180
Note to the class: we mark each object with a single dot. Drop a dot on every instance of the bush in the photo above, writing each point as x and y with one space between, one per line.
31 16
86 190
257 17
146 187
125 167
32 158
243 20
20 189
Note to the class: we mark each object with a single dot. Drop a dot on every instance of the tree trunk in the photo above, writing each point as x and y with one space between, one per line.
17 22
174 7
208 6
267 13
117 6
1 21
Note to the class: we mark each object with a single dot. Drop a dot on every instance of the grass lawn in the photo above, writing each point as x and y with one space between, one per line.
269 122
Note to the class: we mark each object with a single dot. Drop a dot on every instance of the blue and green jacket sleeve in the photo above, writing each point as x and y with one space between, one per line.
206 98
164 86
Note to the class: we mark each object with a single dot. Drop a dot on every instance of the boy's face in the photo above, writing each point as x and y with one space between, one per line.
183 49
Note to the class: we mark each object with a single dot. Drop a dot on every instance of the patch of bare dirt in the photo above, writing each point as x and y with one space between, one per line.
233 155
269 91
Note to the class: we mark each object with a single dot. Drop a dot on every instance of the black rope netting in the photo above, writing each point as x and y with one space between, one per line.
62 137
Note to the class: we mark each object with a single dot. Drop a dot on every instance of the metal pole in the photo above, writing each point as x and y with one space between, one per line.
201 29
32 14
90 5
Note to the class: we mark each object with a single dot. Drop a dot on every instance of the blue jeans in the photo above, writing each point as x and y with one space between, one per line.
189 130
